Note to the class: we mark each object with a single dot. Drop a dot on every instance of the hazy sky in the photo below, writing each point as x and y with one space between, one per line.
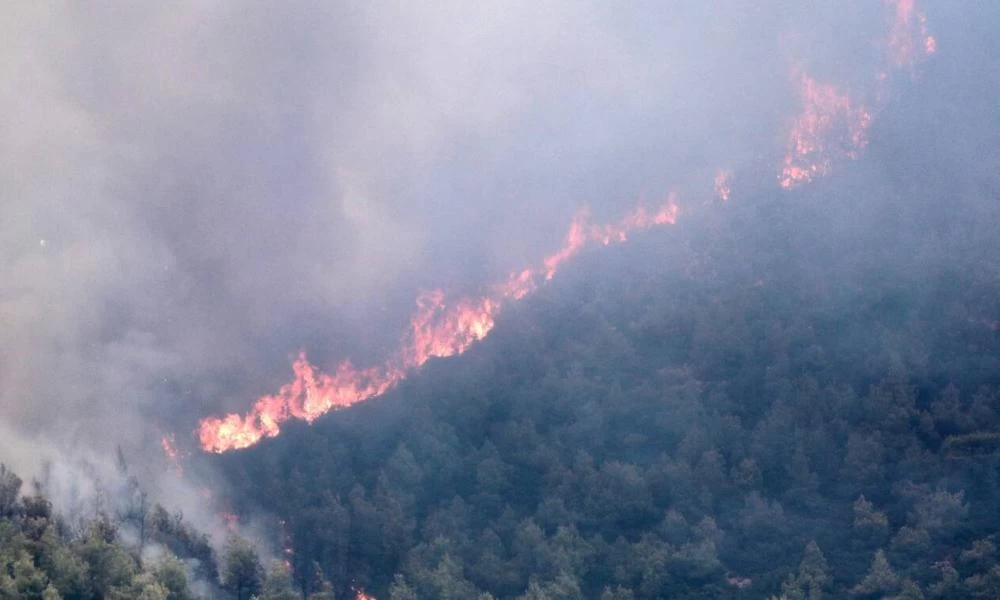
194 190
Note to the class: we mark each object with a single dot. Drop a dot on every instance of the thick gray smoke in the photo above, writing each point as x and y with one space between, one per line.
194 190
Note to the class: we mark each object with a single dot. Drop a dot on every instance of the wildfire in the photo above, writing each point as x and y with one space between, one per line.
173 456
363 596
909 42
722 187
832 125
232 521
439 328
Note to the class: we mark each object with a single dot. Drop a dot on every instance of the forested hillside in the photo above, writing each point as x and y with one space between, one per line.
124 547
768 400
792 395
500 301
47 556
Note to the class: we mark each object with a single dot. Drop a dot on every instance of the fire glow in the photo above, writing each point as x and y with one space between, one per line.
909 41
830 126
167 443
722 186
833 125
439 328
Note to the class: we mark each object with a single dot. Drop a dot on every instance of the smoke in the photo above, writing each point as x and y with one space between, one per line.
193 192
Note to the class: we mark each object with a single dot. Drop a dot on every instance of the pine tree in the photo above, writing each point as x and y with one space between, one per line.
880 580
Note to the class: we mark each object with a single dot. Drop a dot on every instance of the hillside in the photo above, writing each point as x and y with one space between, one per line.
768 399
500 301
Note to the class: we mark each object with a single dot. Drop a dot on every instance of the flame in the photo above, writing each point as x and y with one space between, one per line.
722 186
909 42
363 596
172 455
232 521
439 328
831 125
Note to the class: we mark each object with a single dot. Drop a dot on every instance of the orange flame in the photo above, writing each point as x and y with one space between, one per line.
438 329
173 456
722 186
909 42
830 125
363 596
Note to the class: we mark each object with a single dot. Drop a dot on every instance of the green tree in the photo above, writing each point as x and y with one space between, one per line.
69 573
909 544
617 593
563 587
812 578
909 590
981 555
242 573
866 518
445 581
940 512
880 580
109 566
28 580
171 574
984 585
948 584
400 590
51 593
10 490
746 474
278 584
143 587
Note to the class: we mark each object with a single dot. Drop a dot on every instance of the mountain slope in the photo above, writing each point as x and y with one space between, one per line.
685 416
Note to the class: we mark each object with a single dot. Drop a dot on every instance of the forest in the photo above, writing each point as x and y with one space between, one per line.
789 394
771 401
793 396
123 548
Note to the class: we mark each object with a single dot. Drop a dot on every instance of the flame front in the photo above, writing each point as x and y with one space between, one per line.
833 125
830 126
439 328
909 42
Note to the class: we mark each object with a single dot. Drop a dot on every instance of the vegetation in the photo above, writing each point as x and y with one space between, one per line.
754 406
794 398
45 557
771 402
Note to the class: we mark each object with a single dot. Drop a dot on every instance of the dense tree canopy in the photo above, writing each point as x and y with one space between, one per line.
770 399
766 403
793 396
44 556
